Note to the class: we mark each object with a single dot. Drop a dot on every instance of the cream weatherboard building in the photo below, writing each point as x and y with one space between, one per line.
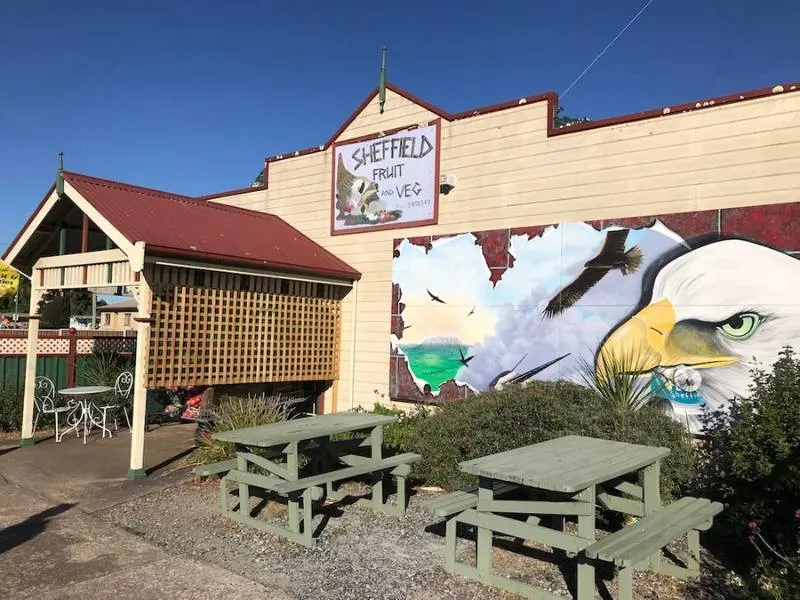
420 255
511 169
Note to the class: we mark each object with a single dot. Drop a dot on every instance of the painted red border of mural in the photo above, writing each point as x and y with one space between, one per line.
776 225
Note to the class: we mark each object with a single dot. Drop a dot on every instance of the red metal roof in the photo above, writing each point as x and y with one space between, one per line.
182 226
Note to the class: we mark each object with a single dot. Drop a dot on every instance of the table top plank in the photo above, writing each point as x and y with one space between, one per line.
566 464
84 390
305 428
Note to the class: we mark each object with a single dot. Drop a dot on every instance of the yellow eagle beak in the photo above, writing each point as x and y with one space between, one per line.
643 343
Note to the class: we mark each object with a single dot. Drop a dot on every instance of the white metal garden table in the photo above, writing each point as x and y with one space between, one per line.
82 397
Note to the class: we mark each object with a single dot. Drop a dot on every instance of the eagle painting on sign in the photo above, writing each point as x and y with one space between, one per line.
695 298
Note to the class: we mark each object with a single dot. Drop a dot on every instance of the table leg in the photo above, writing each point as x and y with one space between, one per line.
483 545
376 445
86 418
291 452
244 489
586 529
652 502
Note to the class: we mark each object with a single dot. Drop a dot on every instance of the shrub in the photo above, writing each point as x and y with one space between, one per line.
750 461
521 415
103 368
10 409
236 413
396 435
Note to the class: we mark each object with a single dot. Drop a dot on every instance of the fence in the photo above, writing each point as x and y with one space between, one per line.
61 354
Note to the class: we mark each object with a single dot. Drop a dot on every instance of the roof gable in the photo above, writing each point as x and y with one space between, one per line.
174 225
177 225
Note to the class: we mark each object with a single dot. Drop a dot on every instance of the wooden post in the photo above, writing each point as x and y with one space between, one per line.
145 299
30 365
85 245
72 357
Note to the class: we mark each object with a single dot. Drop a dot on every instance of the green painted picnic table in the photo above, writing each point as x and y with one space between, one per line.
561 477
268 457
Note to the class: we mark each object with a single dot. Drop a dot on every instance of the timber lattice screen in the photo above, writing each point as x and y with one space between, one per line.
271 331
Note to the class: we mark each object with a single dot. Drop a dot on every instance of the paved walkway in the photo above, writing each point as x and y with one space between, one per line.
51 547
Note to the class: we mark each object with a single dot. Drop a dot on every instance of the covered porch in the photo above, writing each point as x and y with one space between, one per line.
225 296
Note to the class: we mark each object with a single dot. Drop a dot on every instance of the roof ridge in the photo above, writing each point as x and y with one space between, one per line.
114 183
198 201
173 196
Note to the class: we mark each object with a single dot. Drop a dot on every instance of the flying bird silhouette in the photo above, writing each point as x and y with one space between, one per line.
611 256
435 298
472 312
465 359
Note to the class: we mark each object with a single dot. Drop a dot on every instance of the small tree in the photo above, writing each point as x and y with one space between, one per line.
57 306
751 462
564 121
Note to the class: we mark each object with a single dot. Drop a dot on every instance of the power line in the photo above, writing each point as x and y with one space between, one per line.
611 43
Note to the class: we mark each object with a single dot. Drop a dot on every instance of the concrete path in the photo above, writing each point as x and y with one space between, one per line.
51 547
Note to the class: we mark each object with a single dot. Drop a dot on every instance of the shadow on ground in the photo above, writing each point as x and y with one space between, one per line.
16 535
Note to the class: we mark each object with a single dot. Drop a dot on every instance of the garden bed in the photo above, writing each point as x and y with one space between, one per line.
360 554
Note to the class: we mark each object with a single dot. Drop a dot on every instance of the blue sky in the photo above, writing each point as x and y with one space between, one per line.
190 97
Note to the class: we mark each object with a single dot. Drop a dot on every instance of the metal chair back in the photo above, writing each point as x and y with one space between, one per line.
44 394
123 386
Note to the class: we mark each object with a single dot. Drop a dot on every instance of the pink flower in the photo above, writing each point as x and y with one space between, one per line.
797 514
753 525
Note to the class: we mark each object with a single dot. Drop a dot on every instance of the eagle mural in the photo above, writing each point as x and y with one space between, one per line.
691 318
713 313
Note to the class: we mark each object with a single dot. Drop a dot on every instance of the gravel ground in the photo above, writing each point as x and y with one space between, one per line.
359 554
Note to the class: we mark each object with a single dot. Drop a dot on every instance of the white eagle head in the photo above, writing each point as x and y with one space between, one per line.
721 308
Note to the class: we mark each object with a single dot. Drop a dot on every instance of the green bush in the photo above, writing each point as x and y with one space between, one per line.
750 461
396 435
103 368
521 415
10 409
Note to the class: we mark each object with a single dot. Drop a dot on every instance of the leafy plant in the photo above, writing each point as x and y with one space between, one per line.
396 435
237 413
103 368
616 378
750 461
10 409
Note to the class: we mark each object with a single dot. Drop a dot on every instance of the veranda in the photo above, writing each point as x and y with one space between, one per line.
225 296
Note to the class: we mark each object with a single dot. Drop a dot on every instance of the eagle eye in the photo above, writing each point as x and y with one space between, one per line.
740 326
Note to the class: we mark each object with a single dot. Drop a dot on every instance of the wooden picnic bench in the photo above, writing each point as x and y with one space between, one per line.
268 459
570 477
638 547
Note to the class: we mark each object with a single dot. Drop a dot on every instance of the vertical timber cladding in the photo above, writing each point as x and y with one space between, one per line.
214 328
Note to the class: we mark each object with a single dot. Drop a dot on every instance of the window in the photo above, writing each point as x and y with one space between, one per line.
127 319
107 319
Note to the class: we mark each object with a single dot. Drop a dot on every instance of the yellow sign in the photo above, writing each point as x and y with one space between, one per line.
9 280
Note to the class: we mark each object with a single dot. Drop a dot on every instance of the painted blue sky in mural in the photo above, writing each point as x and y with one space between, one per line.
506 322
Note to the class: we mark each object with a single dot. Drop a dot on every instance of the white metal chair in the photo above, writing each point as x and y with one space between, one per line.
122 392
44 398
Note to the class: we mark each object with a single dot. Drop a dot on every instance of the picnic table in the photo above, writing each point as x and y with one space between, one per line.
526 493
269 458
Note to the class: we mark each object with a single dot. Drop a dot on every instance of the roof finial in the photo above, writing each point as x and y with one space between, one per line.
60 175
382 80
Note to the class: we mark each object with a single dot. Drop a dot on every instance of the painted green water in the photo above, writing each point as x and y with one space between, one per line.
434 363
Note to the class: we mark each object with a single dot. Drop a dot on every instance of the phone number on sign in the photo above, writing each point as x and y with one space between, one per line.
419 203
